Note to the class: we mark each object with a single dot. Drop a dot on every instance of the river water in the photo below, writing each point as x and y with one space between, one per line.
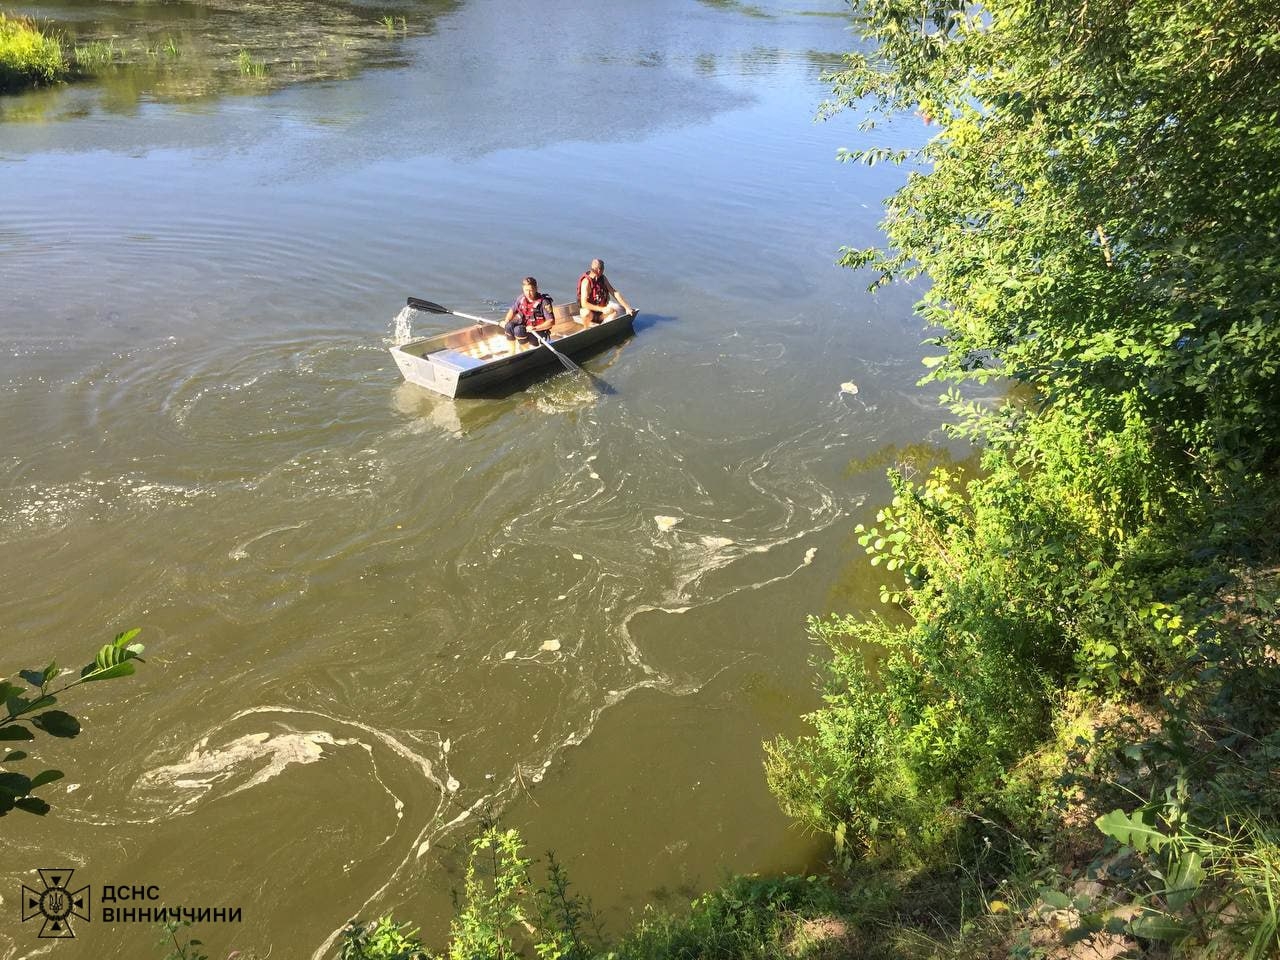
373 614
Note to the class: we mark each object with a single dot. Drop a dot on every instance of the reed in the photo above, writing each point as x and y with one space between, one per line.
96 54
250 67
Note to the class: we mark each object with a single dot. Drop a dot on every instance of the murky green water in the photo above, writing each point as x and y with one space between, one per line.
348 586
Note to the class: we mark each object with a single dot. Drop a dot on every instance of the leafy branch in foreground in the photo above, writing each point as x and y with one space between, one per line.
114 660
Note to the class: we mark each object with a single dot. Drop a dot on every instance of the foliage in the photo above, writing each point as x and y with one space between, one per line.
115 659
748 917
1097 217
1100 212
501 913
383 939
1190 877
493 901
28 58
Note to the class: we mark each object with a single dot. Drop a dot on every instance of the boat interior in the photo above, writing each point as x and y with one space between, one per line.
480 343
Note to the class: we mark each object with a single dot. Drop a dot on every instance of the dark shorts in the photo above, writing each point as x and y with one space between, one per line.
517 330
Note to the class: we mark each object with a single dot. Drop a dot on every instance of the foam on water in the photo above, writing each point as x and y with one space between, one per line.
270 753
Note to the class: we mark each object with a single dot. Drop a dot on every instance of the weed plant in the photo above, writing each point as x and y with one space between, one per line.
28 56
96 55
249 67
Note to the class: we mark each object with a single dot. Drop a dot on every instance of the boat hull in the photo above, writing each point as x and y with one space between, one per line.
473 360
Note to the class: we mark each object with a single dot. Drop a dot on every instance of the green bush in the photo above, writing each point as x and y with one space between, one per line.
1083 240
28 58
749 917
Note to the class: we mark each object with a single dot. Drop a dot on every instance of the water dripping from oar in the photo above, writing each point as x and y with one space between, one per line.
402 326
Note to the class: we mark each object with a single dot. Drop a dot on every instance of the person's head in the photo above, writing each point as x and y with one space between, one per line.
597 267
530 287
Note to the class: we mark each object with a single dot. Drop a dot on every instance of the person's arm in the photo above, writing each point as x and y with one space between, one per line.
613 292
548 321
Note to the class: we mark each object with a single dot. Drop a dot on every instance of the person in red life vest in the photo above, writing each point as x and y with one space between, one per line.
531 312
594 291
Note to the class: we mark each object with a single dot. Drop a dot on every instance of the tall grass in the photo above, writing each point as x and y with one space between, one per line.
250 67
28 57
96 54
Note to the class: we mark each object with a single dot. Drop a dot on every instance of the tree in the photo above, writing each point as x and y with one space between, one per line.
1100 214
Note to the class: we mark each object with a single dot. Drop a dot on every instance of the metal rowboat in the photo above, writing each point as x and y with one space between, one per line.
479 357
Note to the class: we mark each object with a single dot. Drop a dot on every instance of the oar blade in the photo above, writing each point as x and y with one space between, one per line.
420 304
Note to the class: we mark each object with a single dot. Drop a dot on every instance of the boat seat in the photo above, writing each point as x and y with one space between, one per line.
459 361
566 315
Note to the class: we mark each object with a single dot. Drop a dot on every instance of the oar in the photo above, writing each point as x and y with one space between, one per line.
419 304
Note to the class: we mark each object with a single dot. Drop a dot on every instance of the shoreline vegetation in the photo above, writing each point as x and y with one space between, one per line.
168 58
29 57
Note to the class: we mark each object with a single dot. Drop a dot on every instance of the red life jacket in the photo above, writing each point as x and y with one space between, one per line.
532 311
597 289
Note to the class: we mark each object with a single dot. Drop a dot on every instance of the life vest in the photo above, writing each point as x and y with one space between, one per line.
597 289
531 311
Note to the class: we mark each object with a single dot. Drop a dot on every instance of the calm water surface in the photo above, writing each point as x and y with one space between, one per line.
373 613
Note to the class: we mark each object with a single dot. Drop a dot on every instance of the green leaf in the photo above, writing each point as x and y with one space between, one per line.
109 673
1154 925
57 723
114 656
15 732
1055 898
15 756
1137 831
1186 874
123 638
33 677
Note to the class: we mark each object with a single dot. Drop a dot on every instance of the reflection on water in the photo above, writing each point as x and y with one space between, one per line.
185 51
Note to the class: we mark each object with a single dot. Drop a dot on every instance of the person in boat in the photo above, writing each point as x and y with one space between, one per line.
531 312
594 292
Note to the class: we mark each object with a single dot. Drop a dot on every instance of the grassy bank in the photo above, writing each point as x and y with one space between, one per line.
29 58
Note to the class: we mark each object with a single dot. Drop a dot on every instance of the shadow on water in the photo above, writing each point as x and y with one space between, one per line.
644 321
